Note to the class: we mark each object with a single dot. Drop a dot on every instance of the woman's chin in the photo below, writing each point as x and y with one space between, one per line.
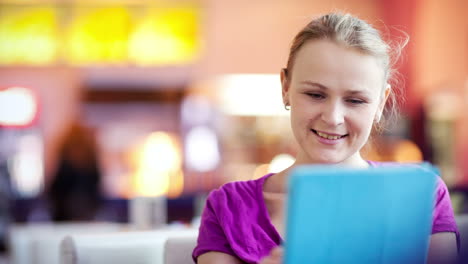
326 160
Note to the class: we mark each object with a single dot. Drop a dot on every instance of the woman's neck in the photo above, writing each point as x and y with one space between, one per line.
277 183
354 161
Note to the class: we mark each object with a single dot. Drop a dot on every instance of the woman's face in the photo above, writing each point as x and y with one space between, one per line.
335 93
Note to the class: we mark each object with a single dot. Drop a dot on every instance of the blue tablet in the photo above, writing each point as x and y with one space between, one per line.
374 215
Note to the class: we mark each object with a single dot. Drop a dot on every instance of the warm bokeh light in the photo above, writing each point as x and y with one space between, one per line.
407 151
281 162
394 150
18 107
26 167
166 36
98 35
158 167
106 33
201 149
261 171
245 95
29 35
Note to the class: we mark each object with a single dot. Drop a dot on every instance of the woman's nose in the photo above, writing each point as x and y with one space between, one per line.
333 114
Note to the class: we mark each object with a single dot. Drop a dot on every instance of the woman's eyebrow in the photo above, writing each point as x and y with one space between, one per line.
354 92
323 87
315 84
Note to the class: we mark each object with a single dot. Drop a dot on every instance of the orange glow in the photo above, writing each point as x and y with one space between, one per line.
400 150
18 107
407 151
176 185
157 166
261 170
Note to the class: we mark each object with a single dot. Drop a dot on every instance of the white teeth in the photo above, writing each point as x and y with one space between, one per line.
328 136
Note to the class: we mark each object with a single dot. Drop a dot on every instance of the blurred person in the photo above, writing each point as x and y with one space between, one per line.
336 85
74 193
5 200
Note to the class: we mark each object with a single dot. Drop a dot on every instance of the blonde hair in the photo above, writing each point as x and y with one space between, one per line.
356 33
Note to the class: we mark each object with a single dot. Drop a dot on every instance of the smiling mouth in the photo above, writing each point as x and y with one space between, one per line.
328 136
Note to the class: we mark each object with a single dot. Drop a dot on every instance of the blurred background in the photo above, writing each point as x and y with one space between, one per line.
105 101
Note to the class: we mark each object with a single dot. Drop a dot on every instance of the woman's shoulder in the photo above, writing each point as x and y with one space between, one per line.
235 222
239 208
238 190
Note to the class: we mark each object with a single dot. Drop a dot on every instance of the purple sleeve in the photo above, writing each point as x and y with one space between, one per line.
211 236
443 218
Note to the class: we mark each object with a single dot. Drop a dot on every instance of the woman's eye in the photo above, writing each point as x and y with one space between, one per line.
316 95
355 101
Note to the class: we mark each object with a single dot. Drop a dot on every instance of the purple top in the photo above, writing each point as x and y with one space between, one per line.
235 220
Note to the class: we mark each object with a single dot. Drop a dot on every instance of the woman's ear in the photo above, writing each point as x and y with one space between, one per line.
383 100
285 85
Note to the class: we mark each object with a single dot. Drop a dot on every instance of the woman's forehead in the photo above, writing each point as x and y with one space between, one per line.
331 64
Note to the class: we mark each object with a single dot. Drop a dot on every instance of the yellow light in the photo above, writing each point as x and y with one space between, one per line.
159 166
166 36
18 106
105 34
28 35
98 35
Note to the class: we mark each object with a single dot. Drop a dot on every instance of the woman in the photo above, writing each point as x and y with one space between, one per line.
74 192
336 85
